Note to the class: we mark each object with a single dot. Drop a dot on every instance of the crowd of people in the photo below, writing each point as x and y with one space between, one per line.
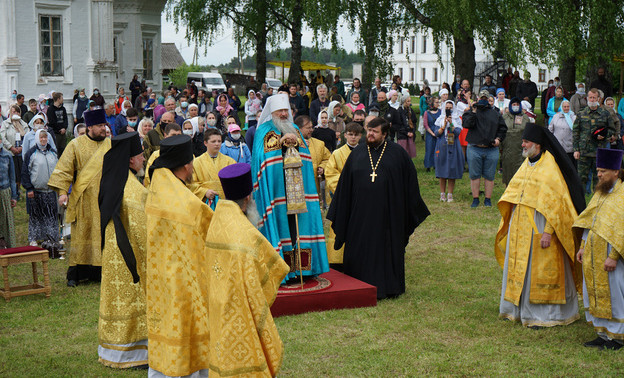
168 195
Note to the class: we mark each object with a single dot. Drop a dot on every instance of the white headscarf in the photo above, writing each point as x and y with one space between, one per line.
526 105
123 109
31 124
330 110
457 122
39 145
318 121
195 123
274 103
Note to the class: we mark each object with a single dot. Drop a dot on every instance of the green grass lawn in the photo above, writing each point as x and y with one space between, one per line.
445 324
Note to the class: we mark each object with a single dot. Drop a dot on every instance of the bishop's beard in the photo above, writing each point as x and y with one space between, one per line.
284 126
252 213
603 187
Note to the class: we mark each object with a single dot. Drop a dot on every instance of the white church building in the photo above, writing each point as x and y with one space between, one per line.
415 61
61 45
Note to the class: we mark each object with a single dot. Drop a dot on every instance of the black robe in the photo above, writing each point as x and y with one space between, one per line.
375 219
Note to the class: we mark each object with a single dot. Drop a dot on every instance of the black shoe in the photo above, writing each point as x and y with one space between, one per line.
72 283
598 342
612 345
428 169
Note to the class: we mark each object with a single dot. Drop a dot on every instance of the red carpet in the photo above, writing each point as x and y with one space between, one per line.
329 291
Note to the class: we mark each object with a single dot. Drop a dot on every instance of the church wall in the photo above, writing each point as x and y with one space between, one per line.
87 31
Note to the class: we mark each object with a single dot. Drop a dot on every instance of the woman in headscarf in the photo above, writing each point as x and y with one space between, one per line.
511 147
449 158
160 109
393 99
225 110
197 136
323 132
252 107
12 133
41 201
561 126
429 118
500 102
336 123
121 98
405 136
38 122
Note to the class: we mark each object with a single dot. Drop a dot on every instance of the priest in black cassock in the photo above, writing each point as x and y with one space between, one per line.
376 207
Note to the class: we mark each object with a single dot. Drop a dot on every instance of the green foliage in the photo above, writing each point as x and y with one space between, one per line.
177 77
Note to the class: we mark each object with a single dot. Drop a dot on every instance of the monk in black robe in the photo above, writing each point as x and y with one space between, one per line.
376 207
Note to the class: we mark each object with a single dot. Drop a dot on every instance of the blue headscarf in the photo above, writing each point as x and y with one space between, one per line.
567 116
513 101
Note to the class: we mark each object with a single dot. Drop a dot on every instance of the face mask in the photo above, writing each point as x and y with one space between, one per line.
211 122
592 104
581 90
15 117
515 109
374 113
13 96
96 92
483 102
235 136
132 123
188 132
550 85
557 83
38 126
184 104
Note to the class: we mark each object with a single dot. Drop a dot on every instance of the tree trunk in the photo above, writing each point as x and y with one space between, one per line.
464 59
369 67
261 61
567 73
295 43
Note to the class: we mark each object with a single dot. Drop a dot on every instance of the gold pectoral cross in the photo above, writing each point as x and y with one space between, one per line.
373 175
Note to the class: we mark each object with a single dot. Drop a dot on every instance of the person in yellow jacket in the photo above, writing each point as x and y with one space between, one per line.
244 272
601 253
320 154
177 283
535 245
205 183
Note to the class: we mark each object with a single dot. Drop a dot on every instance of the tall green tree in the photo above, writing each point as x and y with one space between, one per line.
374 21
321 17
205 20
573 34
457 23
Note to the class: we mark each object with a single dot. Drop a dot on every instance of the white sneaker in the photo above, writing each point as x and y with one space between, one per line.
442 197
449 197
33 243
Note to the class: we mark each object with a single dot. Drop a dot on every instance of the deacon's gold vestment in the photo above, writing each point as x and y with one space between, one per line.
122 302
333 169
150 161
541 188
177 277
604 219
245 272
206 174
83 157
320 156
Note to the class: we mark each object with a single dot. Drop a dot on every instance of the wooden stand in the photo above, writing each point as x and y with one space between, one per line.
32 257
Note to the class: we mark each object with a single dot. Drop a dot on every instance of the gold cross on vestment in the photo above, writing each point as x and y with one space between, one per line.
373 175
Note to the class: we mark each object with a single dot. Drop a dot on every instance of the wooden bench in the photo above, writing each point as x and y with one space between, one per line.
23 255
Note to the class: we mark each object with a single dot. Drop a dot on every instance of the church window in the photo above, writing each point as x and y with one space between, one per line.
148 59
50 43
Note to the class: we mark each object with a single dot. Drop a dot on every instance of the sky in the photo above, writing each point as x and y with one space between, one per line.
224 49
